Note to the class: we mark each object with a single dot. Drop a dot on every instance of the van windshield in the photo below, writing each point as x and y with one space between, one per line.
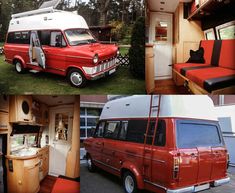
197 134
79 37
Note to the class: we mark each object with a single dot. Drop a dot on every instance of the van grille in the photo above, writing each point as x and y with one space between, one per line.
106 64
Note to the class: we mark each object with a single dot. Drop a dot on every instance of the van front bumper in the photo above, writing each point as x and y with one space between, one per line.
191 189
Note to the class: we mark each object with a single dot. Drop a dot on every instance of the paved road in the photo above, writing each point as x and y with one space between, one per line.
103 182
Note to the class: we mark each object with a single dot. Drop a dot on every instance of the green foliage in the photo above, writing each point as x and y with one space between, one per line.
137 50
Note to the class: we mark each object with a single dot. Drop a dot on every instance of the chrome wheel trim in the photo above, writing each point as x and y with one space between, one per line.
76 78
129 184
18 67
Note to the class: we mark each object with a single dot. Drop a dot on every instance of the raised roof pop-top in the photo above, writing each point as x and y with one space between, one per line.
182 106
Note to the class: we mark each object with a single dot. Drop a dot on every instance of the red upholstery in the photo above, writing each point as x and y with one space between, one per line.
66 186
179 66
208 49
227 54
200 75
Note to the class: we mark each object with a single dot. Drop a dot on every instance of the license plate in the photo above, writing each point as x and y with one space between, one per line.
112 71
201 187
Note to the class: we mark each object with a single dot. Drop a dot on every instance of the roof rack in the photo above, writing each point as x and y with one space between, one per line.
34 12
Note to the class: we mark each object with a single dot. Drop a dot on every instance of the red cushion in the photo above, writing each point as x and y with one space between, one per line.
227 54
208 50
179 66
66 186
200 75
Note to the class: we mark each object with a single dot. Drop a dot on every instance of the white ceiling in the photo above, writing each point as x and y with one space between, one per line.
169 6
54 100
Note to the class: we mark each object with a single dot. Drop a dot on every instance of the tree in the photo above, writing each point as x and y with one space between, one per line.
137 50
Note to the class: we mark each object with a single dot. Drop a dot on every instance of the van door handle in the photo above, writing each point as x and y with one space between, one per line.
100 143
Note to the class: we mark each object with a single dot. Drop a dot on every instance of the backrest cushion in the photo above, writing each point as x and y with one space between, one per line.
208 49
227 54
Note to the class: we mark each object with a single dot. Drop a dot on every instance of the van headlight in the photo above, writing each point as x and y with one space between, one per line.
95 59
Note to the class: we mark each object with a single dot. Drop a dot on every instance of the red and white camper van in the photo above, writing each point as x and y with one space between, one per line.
58 42
165 143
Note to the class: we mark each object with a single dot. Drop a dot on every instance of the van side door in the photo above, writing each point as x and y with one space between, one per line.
159 157
98 142
36 54
110 150
54 46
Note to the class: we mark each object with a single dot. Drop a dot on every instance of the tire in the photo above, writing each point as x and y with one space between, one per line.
19 67
90 165
76 78
129 183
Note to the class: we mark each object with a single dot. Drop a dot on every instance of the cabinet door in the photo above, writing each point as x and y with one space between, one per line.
4 103
32 172
4 121
24 106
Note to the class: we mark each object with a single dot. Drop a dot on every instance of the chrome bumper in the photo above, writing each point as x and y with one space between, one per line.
182 190
221 181
192 188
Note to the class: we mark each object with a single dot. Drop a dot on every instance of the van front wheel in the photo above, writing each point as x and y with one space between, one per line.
76 78
129 183
19 67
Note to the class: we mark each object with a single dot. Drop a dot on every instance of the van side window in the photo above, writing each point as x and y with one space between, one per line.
160 138
57 39
99 130
44 37
111 129
136 130
18 37
123 130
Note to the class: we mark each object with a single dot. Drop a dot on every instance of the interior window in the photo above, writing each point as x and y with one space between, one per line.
210 35
226 31
161 31
100 129
111 129
57 39
123 130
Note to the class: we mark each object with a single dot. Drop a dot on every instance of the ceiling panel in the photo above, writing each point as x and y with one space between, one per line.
54 100
163 5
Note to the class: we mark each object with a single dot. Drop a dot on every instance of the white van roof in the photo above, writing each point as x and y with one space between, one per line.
174 106
47 18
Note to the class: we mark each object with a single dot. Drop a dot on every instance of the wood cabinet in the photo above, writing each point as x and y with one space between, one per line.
4 103
43 155
4 121
45 114
20 109
36 112
23 174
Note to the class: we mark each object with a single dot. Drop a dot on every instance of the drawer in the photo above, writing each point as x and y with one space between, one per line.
4 121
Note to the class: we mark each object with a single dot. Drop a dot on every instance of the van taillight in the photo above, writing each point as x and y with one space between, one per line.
176 167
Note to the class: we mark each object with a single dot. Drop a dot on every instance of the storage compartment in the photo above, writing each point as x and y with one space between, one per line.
20 109
4 103
4 121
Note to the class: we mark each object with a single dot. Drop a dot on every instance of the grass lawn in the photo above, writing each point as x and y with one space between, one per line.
121 82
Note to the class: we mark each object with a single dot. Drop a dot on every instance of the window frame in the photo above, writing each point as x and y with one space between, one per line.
118 127
208 31
219 27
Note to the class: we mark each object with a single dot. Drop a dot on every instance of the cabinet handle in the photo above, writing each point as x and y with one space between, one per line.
26 119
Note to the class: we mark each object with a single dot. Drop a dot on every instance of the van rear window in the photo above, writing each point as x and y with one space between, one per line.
194 134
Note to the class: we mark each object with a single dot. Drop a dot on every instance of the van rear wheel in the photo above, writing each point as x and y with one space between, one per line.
19 67
129 183
90 165
76 78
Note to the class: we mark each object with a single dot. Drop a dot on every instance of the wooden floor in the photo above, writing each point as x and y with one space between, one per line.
168 87
47 184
